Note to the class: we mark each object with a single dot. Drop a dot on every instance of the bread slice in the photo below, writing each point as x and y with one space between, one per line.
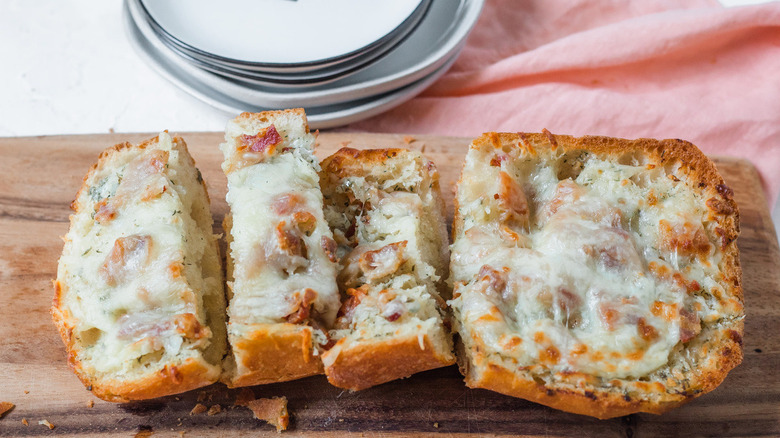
139 296
595 275
387 216
281 268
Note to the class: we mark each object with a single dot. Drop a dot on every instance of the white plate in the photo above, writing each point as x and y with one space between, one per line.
319 117
438 38
280 32
298 71
249 75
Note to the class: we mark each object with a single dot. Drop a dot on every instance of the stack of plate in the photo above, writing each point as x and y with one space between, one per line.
342 60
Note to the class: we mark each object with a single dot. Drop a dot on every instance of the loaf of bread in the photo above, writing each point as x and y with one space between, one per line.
387 216
139 296
281 258
595 275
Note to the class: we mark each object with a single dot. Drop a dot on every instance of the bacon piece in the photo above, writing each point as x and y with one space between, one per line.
329 246
383 261
563 303
512 202
347 310
289 241
127 258
157 161
141 326
566 192
286 203
305 221
493 281
187 324
392 307
262 142
303 303
690 325
350 274
685 239
498 159
615 251
140 180
569 304
154 191
393 315
142 175
105 211
286 250
293 204
646 331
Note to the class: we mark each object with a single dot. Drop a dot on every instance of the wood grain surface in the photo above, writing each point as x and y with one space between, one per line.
39 177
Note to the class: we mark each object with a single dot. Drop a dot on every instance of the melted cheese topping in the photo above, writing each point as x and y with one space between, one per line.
279 237
579 273
139 259
389 245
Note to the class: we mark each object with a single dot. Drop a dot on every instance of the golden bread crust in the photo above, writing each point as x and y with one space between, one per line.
272 353
357 162
372 363
171 379
268 116
717 349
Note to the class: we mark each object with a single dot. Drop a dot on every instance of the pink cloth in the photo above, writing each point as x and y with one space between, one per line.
707 74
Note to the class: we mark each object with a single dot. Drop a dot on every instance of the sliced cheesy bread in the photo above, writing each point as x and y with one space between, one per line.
281 258
139 296
387 216
595 275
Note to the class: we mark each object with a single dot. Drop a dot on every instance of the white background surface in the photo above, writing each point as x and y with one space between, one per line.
67 68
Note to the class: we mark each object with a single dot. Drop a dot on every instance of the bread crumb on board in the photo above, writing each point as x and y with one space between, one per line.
198 409
5 407
47 424
25 422
144 432
271 410
215 409
90 403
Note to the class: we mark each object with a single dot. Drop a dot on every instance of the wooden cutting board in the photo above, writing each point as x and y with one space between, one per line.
39 177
